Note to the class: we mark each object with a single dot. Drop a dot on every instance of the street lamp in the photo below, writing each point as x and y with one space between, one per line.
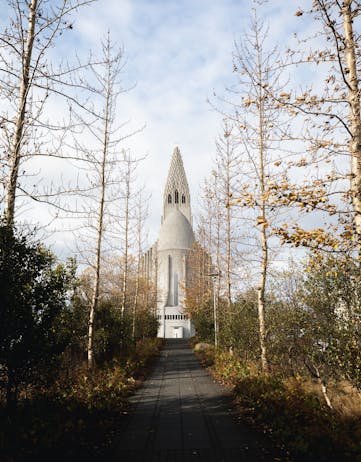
215 317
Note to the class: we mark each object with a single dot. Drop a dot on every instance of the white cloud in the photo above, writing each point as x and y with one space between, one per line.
178 52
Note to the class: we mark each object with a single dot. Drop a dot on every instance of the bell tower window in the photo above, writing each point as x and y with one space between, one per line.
183 199
176 197
169 199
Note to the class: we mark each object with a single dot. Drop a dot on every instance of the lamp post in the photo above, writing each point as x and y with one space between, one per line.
215 314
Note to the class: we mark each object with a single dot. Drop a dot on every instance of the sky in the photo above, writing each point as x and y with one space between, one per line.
178 56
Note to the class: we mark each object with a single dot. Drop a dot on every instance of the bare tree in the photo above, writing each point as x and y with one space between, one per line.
126 228
227 160
97 155
210 229
261 130
108 81
330 113
141 216
28 80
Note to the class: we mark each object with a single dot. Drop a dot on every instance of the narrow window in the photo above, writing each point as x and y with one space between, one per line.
170 298
175 288
183 199
176 197
169 198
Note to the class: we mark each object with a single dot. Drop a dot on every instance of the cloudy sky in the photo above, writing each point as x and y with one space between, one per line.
178 56
178 52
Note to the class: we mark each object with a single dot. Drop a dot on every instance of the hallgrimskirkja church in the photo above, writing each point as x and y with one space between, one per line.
166 261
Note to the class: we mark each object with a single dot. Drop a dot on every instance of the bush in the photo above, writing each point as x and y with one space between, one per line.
206 356
229 368
310 430
148 348
293 416
34 290
79 415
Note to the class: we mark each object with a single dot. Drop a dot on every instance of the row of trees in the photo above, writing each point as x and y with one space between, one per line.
62 146
279 171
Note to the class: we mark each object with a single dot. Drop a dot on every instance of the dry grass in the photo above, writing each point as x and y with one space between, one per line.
345 399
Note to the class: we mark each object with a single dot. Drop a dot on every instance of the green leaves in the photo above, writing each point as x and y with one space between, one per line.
33 292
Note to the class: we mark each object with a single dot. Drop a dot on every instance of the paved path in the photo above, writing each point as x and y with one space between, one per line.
181 414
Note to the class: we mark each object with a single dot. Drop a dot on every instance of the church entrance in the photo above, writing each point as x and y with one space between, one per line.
177 332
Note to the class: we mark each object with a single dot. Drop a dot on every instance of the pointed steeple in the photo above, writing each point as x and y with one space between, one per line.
176 191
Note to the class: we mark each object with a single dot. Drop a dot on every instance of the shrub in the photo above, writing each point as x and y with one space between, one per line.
34 290
148 348
229 368
309 429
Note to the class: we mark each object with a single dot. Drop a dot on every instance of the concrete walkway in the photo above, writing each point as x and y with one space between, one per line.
181 414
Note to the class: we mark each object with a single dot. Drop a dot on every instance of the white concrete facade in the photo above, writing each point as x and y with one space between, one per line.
175 239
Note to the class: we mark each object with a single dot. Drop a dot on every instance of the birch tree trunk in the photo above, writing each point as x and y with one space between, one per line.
25 84
126 234
217 279
228 163
261 130
141 216
354 116
263 223
262 219
103 161
95 290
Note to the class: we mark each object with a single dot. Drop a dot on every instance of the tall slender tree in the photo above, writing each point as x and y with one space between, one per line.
260 132
98 157
28 80
228 168
141 216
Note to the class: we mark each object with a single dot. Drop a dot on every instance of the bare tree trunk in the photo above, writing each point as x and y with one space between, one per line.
261 302
355 116
95 291
135 303
262 219
126 237
25 84
228 257
217 280
141 216
315 372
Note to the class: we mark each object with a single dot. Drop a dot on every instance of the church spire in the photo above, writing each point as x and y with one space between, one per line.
176 191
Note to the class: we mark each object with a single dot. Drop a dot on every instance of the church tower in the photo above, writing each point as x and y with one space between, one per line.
176 191
175 240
